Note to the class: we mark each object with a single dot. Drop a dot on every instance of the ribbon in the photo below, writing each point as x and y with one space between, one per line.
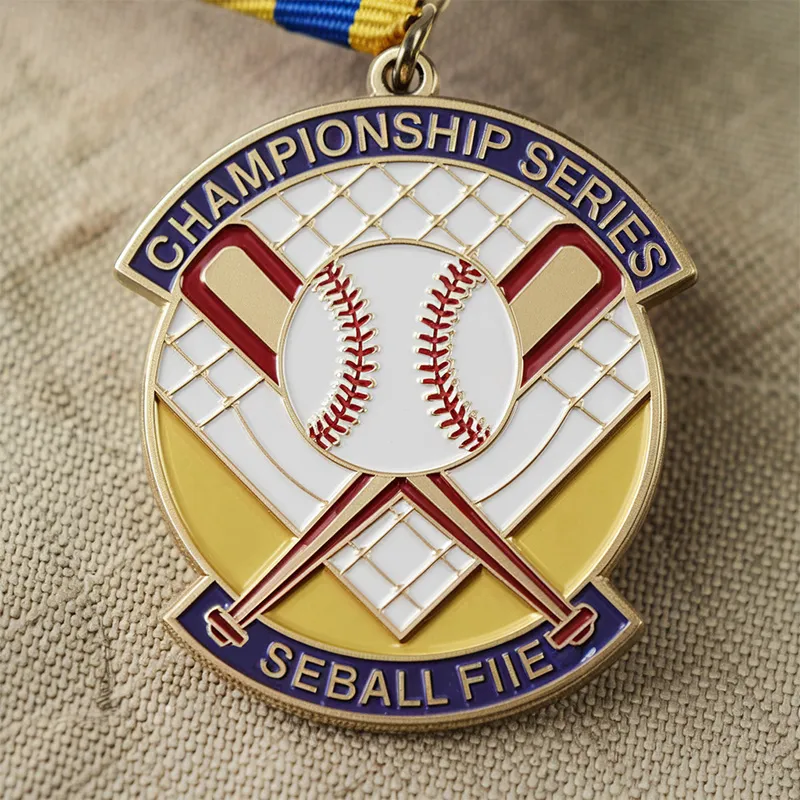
370 26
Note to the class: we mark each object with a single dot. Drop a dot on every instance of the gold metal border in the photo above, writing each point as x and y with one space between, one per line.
669 286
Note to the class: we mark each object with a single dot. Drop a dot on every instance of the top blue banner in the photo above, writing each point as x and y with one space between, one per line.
556 170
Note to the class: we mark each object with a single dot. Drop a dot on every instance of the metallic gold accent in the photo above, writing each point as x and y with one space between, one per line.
379 84
234 277
559 286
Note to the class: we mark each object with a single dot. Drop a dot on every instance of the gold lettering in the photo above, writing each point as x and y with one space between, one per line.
528 660
512 673
347 138
307 148
451 133
562 174
159 263
342 675
241 176
380 136
487 143
430 697
280 157
217 197
303 672
194 218
470 140
594 200
468 681
541 167
498 683
612 215
415 135
402 701
625 227
376 687
647 257
274 652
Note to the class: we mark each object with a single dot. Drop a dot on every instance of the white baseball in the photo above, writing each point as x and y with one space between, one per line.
400 359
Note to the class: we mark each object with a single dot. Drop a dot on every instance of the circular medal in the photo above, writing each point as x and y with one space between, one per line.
403 408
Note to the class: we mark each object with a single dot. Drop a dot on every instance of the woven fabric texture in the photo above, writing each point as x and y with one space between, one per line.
103 107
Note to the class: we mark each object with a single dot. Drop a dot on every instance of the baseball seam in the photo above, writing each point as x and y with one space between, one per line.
443 306
349 395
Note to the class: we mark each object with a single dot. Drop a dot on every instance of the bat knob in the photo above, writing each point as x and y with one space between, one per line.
576 629
224 629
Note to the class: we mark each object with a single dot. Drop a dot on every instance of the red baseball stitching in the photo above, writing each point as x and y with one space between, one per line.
348 397
444 306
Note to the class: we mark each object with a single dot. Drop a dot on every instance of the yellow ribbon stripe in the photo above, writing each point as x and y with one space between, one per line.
369 26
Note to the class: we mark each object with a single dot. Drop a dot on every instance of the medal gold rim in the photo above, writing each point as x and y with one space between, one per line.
685 276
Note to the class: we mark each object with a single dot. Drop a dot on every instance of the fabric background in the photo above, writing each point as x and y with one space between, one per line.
103 107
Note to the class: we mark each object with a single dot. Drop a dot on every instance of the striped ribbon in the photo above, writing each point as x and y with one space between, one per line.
366 25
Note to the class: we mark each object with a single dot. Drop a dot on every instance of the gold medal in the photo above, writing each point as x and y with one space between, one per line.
403 407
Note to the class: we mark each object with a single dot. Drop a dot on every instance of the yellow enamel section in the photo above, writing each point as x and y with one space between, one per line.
565 538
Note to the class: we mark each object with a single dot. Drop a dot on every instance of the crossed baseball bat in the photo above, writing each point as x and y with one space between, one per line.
369 495
572 624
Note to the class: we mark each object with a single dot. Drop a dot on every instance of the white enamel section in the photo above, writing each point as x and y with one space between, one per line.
201 344
458 559
342 559
545 435
401 612
468 176
406 220
501 196
370 235
232 375
173 369
574 373
182 319
197 400
574 436
271 424
485 354
606 400
340 222
432 584
402 565
374 192
533 217
605 342
400 554
397 433
632 369
274 219
444 239
470 222
623 316
369 582
346 176
500 250
432 535
407 172
535 418
228 434
439 192
306 251
373 532
309 196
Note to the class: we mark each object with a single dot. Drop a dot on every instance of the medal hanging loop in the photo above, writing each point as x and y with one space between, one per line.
381 83
413 44
394 70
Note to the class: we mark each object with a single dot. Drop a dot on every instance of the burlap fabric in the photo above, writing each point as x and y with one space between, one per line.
103 107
